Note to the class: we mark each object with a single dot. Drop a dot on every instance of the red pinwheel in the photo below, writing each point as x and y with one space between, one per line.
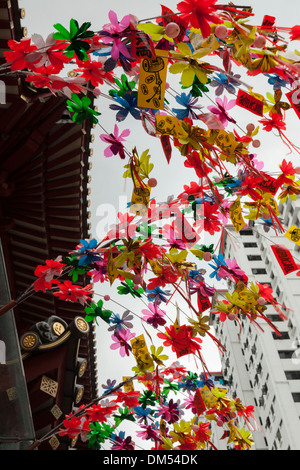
19 54
73 293
181 340
92 71
275 122
46 274
208 220
193 160
199 14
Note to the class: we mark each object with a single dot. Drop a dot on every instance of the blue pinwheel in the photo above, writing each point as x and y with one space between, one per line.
189 104
127 105
223 82
87 248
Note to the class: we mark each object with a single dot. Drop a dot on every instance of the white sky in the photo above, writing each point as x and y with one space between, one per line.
108 184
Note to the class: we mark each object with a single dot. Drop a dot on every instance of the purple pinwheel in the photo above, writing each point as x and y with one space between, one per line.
115 140
221 110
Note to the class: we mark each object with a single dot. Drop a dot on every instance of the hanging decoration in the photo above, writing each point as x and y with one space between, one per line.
151 263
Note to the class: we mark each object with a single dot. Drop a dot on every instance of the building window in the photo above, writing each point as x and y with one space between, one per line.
286 354
274 317
246 232
296 397
292 374
284 335
250 245
278 291
259 271
254 257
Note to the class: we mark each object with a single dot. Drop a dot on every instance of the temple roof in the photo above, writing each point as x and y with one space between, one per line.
44 193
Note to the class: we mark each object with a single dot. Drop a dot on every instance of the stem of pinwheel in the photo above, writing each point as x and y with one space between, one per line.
11 304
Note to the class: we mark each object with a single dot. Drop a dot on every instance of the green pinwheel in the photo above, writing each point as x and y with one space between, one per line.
76 37
81 109
124 86
125 414
128 287
95 311
77 270
99 432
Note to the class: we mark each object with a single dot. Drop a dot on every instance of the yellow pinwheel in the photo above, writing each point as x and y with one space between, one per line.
189 66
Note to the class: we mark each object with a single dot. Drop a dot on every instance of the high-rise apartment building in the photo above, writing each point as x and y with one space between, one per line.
264 369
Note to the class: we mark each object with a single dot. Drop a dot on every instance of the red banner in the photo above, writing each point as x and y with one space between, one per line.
203 303
284 258
294 98
142 46
246 101
199 403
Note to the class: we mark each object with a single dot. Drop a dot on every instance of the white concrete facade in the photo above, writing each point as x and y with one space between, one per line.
264 368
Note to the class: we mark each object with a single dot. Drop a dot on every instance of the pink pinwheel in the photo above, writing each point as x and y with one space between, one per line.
115 140
112 32
221 110
155 316
121 339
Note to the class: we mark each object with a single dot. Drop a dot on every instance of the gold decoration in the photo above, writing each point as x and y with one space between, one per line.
58 328
56 411
79 395
82 368
11 393
54 442
49 386
29 341
82 325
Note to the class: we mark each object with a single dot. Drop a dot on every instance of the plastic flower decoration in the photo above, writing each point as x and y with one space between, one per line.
121 338
87 248
222 82
126 106
121 442
189 105
93 72
188 65
157 295
154 316
200 14
95 310
115 140
113 33
121 323
19 55
46 273
49 52
73 293
221 110
81 109
77 37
